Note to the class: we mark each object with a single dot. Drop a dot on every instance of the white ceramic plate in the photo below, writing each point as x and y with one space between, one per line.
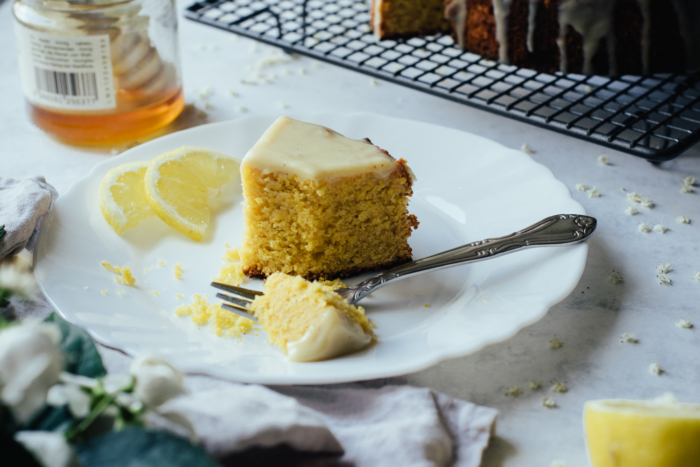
468 188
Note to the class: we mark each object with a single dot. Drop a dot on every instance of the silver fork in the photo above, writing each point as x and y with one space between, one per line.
562 229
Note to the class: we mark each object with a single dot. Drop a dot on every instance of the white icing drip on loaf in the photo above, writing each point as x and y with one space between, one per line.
592 19
688 13
501 10
456 13
531 17
646 29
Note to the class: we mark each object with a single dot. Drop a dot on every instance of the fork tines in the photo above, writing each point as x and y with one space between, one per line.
239 303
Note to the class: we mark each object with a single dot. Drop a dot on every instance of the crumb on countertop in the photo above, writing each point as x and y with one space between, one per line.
179 296
629 338
558 386
664 279
85 287
661 228
548 402
513 391
555 343
534 385
162 264
153 292
615 277
684 323
104 292
526 149
656 369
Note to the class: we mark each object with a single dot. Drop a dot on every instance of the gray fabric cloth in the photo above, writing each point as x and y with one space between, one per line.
22 206
362 424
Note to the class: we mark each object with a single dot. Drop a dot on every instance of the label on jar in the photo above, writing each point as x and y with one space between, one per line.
65 72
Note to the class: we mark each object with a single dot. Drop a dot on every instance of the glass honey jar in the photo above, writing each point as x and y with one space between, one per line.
99 72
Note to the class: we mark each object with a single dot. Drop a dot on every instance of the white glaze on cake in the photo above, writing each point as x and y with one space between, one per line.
456 13
314 152
501 10
531 17
593 19
335 334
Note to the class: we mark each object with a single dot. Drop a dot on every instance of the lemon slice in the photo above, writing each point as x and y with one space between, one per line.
123 199
656 433
181 184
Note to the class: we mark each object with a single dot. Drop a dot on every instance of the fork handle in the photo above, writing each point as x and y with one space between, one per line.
562 229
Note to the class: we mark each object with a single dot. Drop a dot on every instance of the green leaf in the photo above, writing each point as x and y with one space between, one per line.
50 419
79 350
138 447
2 231
14 453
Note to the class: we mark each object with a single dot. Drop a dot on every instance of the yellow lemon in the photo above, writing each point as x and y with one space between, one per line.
180 185
123 199
659 432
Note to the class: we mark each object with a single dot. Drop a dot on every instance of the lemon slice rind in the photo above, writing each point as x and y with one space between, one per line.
111 210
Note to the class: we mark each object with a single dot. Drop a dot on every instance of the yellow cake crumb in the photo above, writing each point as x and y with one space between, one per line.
179 296
104 292
221 322
231 274
177 271
124 277
85 287
122 293
335 284
231 255
127 278
110 268
426 305
153 292
147 270
162 263
226 245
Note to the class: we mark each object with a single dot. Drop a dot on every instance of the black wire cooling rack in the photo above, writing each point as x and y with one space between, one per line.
656 117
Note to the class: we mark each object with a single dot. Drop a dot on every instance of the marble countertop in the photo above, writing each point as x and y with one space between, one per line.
593 361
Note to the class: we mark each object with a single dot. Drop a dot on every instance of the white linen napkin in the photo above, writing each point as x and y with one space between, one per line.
358 424
22 206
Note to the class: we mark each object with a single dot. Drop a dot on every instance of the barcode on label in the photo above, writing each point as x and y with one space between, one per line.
66 84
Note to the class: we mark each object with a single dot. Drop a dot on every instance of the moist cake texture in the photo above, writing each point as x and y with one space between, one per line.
320 205
309 321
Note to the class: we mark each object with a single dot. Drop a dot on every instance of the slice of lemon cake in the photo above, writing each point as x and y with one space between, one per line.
320 205
309 321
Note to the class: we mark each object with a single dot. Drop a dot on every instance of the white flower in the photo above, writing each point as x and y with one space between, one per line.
664 279
656 369
696 276
684 323
631 211
664 268
17 279
548 402
644 228
558 386
77 399
526 149
48 447
514 391
30 363
615 278
688 183
603 159
581 187
682 220
627 337
156 380
114 384
661 228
